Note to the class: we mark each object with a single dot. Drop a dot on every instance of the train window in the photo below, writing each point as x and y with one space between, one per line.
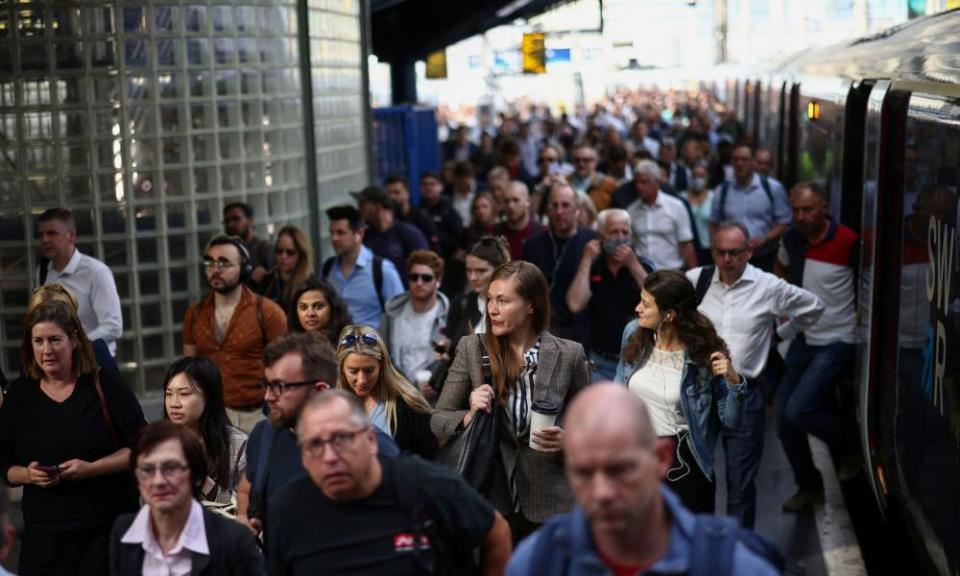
928 332
821 145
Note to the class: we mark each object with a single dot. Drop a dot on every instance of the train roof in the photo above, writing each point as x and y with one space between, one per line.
922 50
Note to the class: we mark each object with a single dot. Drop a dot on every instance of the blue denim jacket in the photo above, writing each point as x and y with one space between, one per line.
576 540
706 401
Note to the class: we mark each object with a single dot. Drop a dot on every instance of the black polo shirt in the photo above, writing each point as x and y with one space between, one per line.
612 303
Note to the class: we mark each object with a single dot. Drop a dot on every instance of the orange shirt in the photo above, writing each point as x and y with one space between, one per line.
240 355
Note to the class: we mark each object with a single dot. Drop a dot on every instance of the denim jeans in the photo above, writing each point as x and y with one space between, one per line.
743 447
606 368
809 380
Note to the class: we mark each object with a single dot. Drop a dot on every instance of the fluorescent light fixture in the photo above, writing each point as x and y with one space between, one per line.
512 7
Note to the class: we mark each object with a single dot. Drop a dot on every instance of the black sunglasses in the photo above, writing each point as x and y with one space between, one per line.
353 339
427 278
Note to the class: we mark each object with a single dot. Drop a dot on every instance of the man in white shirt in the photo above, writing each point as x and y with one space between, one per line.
662 230
744 303
413 320
88 279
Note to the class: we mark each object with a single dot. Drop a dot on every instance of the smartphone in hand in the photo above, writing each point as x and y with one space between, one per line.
49 470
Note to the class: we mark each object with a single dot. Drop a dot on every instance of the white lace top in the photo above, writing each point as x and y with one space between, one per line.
658 384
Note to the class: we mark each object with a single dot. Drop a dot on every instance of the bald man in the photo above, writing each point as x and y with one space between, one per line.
627 521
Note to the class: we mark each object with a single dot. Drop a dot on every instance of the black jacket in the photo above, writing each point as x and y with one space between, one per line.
232 549
448 225
413 432
463 316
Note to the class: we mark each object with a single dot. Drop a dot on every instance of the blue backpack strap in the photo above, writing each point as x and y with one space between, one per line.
714 540
765 182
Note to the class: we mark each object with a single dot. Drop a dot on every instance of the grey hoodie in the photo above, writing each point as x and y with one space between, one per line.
392 310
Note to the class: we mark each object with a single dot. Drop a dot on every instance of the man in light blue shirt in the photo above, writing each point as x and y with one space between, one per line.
88 279
352 271
758 202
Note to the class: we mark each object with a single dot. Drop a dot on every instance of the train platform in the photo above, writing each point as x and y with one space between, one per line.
821 542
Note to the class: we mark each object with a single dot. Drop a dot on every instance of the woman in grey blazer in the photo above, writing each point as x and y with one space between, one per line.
529 367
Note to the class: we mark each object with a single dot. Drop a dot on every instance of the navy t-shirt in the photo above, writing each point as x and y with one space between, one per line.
613 300
396 244
376 535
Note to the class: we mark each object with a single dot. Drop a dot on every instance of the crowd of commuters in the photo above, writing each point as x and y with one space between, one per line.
643 247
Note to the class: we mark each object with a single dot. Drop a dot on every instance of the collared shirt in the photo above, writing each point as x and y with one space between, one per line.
98 304
177 562
660 228
240 354
750 205
745 313
359 291
827 270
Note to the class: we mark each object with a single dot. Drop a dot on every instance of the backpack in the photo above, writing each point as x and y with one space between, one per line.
715 539
703 282
725 187
452 558
377 275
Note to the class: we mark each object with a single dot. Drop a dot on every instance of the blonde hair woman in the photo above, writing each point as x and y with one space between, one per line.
394 404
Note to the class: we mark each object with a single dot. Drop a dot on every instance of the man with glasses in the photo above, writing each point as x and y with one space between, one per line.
745 304
585 175
557 251
238 221
412 321
297 366
232 326
359 513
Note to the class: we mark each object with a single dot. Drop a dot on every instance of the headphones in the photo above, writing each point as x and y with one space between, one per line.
246 268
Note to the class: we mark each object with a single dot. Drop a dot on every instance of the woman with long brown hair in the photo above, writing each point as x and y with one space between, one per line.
530 371
294 256
674 360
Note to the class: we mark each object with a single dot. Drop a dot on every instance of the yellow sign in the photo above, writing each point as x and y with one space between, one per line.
951 4
437 65
534 52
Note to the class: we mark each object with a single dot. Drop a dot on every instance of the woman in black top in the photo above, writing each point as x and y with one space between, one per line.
394 404
294 255
56 440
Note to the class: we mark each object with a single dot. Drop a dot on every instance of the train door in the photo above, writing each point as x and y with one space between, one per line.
792 133
868 298
927 331
755 127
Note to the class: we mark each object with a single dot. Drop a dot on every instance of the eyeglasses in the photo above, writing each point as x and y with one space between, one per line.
426 278
281 388
168 470
353 339
285 252
221 264
547 159
584 160
338 441
731 253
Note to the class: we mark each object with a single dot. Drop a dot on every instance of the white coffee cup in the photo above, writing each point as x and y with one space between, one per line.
423 378
542 415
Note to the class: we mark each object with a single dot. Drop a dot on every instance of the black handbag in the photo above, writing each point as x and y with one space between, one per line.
473 453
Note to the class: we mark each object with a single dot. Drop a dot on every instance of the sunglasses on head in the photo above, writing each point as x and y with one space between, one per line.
355 338
427 278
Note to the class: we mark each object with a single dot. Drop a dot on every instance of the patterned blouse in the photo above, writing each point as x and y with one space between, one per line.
518 407
238 468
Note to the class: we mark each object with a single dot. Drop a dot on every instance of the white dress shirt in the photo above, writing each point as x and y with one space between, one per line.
98 304
659 229
744 314
179 561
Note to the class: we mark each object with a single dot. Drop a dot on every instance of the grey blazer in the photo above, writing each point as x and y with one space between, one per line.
562 371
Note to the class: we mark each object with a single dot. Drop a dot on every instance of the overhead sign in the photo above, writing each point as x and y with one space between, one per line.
437 65
534 52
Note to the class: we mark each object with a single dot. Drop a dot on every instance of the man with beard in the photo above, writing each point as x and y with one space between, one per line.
232 326
297 366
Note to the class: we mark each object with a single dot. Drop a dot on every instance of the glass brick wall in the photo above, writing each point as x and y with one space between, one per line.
145 118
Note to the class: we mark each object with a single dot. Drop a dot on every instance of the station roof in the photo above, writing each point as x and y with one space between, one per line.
412 29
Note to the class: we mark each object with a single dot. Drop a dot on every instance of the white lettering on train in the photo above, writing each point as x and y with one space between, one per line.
941 239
